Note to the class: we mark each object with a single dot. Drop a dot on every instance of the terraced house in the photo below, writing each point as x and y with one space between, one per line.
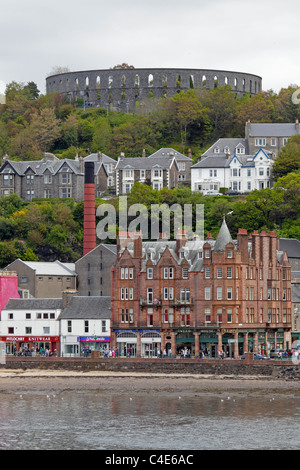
154 171
211 295
49 177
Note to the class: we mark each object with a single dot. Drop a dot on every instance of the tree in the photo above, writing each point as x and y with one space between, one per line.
31 91
258 108
45 128
288 159
187 109
221 105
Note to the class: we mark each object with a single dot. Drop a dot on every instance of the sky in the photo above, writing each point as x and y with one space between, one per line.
258 36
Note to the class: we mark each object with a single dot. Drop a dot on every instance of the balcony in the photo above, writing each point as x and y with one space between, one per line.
181 302
150 303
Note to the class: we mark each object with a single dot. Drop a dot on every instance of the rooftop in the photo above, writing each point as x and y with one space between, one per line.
90 307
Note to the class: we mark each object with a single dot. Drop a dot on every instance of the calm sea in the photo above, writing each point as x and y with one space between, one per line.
94 421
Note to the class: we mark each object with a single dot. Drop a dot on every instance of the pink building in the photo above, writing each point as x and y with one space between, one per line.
8 287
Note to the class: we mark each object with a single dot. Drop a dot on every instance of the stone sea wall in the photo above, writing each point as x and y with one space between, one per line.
260 369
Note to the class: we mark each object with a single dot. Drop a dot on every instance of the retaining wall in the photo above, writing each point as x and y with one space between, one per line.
238 368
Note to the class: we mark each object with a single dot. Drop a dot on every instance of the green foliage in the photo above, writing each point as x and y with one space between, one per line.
288 159
40 230
31 123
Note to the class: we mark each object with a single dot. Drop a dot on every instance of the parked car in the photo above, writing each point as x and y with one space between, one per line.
212 193
257 356
278 353
231 192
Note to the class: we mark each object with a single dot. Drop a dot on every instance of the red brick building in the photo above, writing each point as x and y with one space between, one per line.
211 295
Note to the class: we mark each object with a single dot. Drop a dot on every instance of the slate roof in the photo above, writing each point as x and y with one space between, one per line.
112 248
295 293
169 152
53 165
145 163
191 249
87 307
273 129
291 246
50 268
94 157
217 161
34 304
231 143
223 237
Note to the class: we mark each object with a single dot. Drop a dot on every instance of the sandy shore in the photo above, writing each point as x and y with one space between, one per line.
15 381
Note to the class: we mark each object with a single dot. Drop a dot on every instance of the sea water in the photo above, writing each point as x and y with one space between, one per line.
93 420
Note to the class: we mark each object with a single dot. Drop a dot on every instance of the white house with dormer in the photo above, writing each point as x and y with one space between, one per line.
239 172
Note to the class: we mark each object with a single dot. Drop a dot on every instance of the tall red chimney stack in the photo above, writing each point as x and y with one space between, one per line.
89 221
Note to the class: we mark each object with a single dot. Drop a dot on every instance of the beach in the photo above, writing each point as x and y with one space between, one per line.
36 380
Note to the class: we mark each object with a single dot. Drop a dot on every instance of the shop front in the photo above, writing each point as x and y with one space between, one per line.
126 341
32 345
93 343
185 343
208 343
150 343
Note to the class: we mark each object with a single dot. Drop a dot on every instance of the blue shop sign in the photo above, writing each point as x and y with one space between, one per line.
149 331
125 331
98 339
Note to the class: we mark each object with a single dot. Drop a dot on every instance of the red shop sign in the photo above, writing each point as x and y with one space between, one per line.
14 339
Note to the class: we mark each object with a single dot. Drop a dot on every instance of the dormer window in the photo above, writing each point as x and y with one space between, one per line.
217 150
240 150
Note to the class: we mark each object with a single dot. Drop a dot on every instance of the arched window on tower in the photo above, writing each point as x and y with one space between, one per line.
98 83
137 81
87 82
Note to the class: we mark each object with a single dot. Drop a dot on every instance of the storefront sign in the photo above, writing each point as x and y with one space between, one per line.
97 339
149 331
15 339
124 331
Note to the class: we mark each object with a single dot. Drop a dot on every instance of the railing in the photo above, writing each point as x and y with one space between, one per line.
178 302
153 303
165 325
172 303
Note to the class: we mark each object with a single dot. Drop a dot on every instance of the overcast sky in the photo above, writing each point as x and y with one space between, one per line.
259 37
